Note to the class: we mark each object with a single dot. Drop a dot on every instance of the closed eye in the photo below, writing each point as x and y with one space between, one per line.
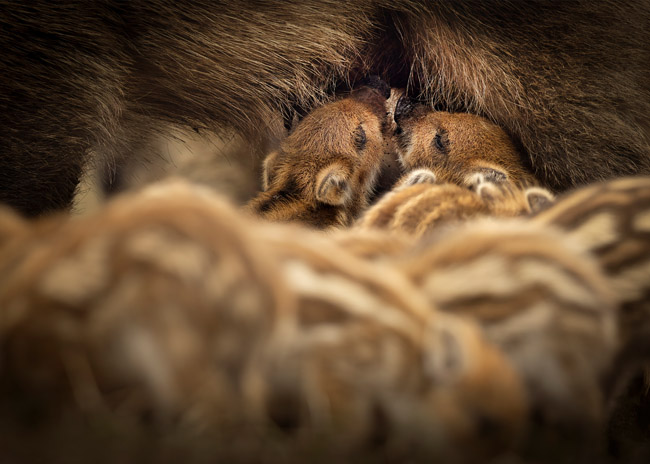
441 142
360 138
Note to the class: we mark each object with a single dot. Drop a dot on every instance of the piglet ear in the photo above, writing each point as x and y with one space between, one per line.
417 176
332 186
538 199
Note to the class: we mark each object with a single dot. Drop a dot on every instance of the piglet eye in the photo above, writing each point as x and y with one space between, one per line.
438 142
441 142
359 138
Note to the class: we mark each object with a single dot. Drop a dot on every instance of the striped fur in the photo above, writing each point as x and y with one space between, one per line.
422 207
372 244
540 299
368 334
168 304
612 221
126 309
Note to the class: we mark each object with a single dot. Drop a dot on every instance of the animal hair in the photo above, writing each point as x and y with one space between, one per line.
568 82
611 221
236 325
418 207
542 300
324 173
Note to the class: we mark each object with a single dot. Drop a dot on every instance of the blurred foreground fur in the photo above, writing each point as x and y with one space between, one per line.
168 308
226 163
544 302
569 81
612 221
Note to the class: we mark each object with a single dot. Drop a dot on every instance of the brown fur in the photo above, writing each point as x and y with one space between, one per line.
97 308
324 172
417 207
237 327
227 164
456 146
612 222
544 302
568 82
465 167
385 332
372 243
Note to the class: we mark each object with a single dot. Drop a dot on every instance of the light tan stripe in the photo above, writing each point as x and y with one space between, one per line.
641 221
597 231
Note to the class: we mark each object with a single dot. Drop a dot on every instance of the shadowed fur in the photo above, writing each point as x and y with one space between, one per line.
568 82
612 221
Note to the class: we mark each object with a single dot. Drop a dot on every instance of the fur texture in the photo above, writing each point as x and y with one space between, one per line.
456 146
325 171
236 328
419 205
612 221
545 303
569 82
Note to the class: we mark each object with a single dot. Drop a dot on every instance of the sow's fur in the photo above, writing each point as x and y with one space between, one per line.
569 81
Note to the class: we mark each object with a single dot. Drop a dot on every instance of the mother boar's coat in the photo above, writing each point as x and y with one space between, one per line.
569 81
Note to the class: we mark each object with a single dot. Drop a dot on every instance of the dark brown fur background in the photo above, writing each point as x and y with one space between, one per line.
569 81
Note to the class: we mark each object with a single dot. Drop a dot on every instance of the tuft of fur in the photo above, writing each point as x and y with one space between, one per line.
568 82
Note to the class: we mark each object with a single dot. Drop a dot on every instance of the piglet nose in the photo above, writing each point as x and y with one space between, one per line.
403 108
